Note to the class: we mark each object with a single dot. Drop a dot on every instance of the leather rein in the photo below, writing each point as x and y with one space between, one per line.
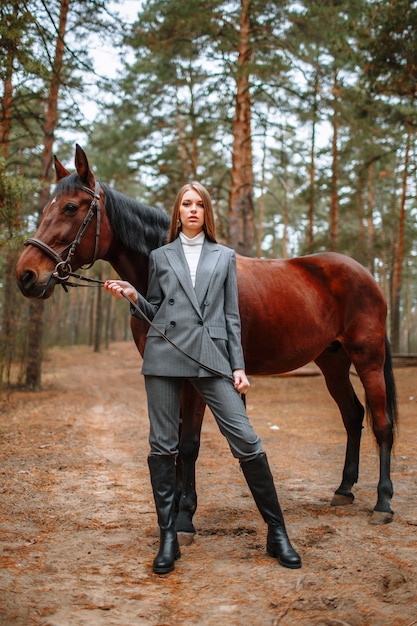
63 269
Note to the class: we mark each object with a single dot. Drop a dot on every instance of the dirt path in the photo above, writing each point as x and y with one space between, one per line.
77 522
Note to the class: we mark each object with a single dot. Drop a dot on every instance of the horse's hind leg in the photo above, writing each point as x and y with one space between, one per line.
192 412
335 364
381 401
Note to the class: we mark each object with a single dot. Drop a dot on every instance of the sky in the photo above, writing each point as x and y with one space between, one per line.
106 61
106 65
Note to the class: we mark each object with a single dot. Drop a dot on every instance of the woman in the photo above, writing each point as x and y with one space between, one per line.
192 298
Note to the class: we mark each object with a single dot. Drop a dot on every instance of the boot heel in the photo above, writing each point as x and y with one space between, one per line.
271 552
169 552
283 551
296 564
165 569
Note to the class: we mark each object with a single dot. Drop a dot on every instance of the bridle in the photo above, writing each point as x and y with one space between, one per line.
63 269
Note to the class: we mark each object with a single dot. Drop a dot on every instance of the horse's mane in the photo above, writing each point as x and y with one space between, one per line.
135 225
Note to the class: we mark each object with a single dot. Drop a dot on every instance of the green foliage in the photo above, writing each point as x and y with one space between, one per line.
392 48
12 189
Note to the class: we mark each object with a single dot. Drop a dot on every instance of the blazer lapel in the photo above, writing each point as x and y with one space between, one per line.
210 255
178 262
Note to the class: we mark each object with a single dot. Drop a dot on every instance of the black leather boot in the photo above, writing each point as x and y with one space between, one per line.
163 478
259 478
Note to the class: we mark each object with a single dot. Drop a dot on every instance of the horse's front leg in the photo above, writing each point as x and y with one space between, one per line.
343 494
192 412
335 367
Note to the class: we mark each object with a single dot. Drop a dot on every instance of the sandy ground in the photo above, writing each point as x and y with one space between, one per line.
77 520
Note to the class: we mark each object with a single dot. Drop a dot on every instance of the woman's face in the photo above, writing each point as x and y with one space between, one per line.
191 213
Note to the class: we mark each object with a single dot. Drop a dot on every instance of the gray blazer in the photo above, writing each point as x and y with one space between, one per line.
203 321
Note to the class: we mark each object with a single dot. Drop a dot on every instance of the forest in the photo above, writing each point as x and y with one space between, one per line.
298 116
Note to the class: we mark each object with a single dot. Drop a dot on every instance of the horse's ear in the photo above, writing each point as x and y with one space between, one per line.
60 170
82 167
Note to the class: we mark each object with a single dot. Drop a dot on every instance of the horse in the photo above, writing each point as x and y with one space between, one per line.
324 308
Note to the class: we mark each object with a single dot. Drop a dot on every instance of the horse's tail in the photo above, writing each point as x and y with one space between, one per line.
390 388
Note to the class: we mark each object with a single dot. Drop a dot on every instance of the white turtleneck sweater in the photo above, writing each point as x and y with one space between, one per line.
192 249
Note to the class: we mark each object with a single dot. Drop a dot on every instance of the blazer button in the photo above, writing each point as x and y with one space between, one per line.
171 301
173 324
200 322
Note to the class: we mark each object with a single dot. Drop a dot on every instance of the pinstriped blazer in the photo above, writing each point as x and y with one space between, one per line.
203 321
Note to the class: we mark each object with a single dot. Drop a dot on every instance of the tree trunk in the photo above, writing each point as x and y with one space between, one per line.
6 336
33 371
361 213
6 109
8 325
241 214
312 175
187 150
370 219
7 98
99 313
33 368
334 201
285 218
261 202
399 258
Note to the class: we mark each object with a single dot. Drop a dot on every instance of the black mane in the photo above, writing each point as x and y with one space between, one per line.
136 226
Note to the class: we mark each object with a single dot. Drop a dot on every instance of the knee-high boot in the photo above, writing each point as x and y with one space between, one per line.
261 484
163 479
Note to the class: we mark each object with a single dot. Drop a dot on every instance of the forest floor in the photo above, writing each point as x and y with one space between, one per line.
78 525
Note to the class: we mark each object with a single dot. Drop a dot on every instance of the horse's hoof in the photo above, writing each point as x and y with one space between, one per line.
379 517
340 499
185 539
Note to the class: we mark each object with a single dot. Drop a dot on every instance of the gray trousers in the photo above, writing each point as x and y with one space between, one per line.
163 395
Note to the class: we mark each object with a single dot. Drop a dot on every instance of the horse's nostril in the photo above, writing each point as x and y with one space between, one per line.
27 279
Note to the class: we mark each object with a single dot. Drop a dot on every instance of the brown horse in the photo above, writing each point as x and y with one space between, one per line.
324 308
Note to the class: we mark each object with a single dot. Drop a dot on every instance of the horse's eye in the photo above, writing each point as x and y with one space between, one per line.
70 208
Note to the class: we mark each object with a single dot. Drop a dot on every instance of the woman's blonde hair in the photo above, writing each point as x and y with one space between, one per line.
209 223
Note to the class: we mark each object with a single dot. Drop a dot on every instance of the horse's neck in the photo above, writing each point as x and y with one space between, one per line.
131 266
127 254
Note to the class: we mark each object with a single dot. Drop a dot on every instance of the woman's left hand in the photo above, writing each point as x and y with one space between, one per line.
241 382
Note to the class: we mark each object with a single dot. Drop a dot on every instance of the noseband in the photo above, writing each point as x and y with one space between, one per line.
63 268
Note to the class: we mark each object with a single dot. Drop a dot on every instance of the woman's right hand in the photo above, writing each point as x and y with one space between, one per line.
116 287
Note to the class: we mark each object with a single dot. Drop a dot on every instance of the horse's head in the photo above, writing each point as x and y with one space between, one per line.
70 233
